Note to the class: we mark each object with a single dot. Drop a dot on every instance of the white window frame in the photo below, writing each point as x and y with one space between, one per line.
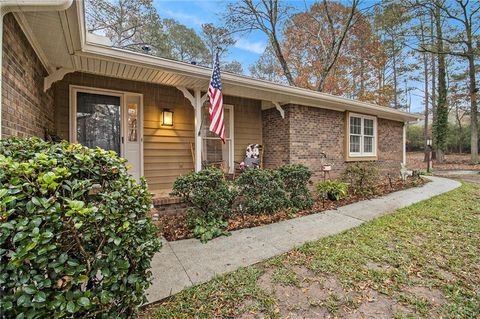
362 135
231 138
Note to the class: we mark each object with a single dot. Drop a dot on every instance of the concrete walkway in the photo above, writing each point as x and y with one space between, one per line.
183 263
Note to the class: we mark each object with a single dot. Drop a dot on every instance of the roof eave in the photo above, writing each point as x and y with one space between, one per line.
308 97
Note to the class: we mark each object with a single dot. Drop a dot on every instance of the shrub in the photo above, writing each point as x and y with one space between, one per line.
206 192
335 190
261 191
295 179
210 201
361 177
207 229
75 239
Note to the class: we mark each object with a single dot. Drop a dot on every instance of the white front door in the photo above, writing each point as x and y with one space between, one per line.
110 120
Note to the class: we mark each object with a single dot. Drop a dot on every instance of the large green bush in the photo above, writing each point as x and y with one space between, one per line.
210 200
75 238
261 191
206 192
361 177
295 179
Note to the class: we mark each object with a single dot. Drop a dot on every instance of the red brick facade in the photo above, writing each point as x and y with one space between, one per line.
26 109
307 131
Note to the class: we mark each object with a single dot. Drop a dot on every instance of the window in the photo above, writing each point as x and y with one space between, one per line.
98 121
362 135
214 152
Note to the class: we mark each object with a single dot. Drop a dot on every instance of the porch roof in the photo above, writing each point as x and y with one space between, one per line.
73 49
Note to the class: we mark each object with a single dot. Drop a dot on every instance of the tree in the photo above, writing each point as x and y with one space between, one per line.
233 67
392 21
440 126
458 100
129 24
324 27
183 43
463 43
216 38
267 67
266 16
358 64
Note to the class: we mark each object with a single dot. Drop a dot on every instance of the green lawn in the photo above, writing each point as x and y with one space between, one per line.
422 261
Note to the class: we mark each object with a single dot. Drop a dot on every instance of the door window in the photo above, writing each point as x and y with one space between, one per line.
98 121
132 114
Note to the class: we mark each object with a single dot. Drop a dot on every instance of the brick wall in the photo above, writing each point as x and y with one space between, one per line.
275 138
307 131
26 109
390 146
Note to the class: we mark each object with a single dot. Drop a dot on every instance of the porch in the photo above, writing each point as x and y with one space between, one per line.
157 150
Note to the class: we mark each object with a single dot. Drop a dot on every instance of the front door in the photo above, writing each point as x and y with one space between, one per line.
109 120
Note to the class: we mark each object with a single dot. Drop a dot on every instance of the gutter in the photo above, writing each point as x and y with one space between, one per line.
7 6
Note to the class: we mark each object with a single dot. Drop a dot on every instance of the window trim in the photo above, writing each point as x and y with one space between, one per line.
361 156
231 132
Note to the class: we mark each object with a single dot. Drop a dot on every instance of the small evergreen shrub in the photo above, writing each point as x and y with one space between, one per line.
206 192
262 191
295 179
210 200
75 238
335 190
361 177
207 229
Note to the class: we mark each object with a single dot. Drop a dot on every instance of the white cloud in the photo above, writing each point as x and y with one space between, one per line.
184 18
257 47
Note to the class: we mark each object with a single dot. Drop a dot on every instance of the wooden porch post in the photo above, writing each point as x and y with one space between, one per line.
197 101
198 127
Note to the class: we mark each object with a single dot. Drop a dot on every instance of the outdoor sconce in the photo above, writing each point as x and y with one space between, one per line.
167 117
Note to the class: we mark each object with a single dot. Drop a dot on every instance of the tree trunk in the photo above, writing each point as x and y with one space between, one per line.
395 104
425 85
460 133
426 98
442 111
281 59
434 84
473 110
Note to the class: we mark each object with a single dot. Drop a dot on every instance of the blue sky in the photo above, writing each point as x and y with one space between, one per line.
249 47
193 13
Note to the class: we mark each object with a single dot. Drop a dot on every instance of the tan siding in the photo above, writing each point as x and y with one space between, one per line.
167 150
247 124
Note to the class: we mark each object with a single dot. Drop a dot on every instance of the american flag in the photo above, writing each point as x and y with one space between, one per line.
215 97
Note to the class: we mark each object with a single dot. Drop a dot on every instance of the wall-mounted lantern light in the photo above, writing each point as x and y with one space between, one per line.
167 117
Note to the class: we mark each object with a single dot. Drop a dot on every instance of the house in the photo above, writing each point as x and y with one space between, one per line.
57 79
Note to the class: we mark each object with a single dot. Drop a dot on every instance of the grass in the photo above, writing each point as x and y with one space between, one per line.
433 244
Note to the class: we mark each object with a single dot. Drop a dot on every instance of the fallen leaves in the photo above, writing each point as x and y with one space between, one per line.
175 227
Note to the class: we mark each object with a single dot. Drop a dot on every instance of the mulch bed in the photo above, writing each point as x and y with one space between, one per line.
175 227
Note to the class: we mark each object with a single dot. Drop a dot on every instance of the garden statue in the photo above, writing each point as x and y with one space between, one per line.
403 171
